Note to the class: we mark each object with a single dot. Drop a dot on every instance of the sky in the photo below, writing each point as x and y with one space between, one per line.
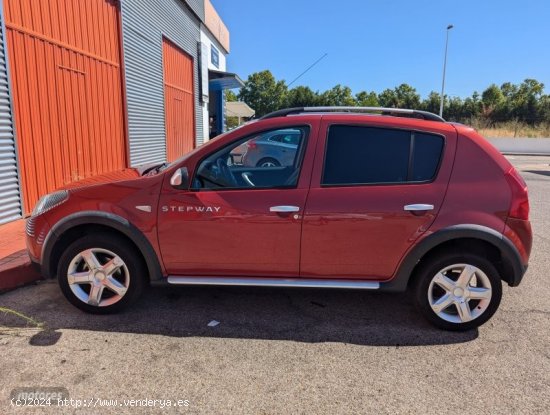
374 45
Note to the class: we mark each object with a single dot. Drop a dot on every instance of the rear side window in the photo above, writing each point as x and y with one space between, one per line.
358 155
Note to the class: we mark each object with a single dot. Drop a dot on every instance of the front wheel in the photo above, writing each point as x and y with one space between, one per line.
101 274
458 292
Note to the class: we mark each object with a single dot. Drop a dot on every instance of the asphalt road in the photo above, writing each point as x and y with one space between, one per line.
289 351
527 146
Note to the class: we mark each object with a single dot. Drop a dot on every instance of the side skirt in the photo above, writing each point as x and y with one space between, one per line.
276 282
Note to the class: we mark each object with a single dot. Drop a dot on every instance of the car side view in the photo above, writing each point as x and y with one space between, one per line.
369 198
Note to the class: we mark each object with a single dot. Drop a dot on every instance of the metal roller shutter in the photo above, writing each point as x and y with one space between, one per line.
10 199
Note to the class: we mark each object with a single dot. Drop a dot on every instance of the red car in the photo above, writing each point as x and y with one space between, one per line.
376 199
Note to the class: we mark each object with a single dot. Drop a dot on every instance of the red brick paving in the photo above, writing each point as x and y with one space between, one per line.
15 265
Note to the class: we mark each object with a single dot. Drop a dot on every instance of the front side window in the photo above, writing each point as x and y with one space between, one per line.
271 159
358 155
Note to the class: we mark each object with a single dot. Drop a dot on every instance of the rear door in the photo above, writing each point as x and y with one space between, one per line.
374 191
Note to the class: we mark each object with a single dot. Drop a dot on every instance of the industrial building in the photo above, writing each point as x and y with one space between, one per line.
89 87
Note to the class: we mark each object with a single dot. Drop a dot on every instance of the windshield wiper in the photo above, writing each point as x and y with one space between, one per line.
154 169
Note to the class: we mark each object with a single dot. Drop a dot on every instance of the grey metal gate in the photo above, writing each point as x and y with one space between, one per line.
10 196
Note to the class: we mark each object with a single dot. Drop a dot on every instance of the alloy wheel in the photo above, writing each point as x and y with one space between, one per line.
98 277
459 293
268 164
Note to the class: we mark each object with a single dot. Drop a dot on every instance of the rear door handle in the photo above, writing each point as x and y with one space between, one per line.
418 207
284 209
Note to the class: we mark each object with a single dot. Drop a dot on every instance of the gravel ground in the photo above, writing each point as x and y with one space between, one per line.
288 351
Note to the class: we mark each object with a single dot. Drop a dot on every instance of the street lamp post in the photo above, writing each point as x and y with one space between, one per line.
442 98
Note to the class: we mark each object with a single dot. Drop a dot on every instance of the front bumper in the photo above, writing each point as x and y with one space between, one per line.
36 231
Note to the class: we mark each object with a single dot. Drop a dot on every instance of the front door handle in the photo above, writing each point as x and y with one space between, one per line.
284 209
418 207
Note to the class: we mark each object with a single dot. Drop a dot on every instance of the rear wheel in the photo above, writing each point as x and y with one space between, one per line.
268 162
101 274
458 292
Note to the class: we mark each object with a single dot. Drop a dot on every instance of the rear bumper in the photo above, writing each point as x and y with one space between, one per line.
519 277
519 234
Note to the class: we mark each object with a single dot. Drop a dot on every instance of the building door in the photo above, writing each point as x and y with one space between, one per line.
179 101
65 66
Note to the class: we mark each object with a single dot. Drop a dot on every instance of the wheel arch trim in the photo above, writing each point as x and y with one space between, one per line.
110 220
464 231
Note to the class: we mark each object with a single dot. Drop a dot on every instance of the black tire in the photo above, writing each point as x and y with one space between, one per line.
267 160
133 262
427 271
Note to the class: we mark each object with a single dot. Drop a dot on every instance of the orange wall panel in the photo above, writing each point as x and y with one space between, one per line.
215 24
179 101
66 76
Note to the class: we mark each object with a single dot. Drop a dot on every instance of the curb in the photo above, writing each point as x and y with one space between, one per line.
17 273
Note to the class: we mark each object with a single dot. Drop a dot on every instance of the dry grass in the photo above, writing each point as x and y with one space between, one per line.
514 129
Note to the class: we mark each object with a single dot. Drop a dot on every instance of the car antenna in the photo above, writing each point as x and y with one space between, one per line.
308 68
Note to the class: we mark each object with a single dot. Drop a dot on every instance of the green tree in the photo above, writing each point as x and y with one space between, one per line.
407 96
263 93
454 109
544 109
337 96
301 96
403 96
431 103
388 98
492 97
521 103
230 96
367 99
472 107
493 102
527 102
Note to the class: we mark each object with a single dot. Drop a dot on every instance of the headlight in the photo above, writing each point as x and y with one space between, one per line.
50 201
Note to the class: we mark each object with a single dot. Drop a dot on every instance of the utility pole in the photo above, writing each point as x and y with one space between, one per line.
442 98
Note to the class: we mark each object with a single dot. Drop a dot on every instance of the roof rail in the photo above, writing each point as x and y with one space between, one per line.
384 111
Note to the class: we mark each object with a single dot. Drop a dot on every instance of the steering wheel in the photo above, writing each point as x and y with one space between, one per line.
226 172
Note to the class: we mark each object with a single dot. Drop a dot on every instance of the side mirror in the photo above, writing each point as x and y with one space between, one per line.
180 179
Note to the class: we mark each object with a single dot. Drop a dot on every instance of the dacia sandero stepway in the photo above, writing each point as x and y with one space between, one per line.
372 198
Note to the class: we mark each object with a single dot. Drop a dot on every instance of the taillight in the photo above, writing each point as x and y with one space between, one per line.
251 145
519 208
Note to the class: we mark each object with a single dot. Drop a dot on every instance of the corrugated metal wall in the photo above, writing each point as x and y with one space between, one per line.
198 7
65 68
10 200
179 101
144 23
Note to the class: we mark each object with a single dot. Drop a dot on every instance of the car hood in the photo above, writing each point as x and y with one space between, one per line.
123 175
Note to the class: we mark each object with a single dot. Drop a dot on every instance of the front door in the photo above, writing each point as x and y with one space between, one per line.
241 217
375 191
